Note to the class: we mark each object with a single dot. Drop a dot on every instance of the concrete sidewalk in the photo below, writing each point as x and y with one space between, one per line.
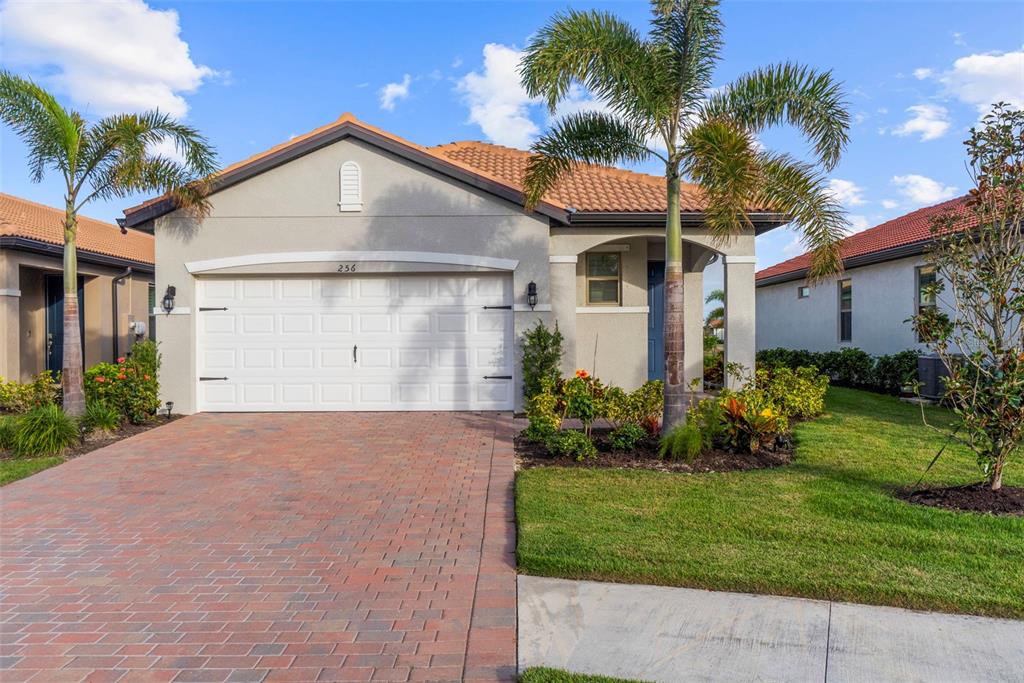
653 633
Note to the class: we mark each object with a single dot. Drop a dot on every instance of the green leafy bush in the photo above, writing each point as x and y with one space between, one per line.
795 393
542 358
571 443
18 397
849 367
642 406
100 417
709 417
895 371
543 414
145 357
748 426
626 437
7 425
46 430
683 442
127 386
583 394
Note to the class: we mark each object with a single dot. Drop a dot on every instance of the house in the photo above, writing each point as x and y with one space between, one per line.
868 306
115 286
350 269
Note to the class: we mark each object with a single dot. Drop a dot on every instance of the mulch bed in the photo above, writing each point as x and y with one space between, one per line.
93 443
1009 500
645 457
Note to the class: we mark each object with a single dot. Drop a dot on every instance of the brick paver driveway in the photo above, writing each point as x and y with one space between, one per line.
331 547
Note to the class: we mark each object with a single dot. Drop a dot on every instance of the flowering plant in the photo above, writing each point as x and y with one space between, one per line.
126 386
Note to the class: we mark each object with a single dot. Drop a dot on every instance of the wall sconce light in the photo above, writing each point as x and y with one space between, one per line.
531 294
168 303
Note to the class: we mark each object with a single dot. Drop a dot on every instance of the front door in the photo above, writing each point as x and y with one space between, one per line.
656 320
54 285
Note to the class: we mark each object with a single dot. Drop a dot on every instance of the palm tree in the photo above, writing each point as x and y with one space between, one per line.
104 160
660 104
718 312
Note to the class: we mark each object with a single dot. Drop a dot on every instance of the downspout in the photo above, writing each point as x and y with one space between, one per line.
113 302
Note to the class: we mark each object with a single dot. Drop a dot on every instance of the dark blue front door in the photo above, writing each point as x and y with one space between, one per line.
54 285
656 320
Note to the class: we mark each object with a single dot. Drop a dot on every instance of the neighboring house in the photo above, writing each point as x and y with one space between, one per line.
868 306
349 269
115 271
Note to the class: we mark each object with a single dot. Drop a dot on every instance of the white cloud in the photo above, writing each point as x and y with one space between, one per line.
922 73
889 203
930 121
922 190
983 79
858 223
457 62
958 38
497 101
392 92
846 192
106 56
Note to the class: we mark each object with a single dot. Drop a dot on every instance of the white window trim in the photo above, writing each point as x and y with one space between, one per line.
319 256
613 309
177 310
350 206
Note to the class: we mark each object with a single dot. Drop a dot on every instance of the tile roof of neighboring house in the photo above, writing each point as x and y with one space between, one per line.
912 228
23 218
589 188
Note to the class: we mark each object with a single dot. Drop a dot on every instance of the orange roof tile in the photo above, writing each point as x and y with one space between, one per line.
23 218
908 229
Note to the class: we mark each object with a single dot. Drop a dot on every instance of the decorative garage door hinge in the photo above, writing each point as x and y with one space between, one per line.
210 379
497 376
204 308
504 308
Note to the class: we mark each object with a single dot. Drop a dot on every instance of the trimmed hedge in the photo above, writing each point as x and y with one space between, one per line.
849 367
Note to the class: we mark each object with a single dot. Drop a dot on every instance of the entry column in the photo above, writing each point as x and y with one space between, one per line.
739 317
563 306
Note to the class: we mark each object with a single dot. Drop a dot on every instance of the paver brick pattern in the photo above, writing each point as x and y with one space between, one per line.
267 547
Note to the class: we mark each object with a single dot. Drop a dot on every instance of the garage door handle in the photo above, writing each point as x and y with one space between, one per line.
204 308
497 376
503 308
210 379
354 357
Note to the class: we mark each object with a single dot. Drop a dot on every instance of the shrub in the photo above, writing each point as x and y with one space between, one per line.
7 425
18 397
571 443
683 442
542 357
46 430
849 367
126 386
626 437
748 426
642 406
145 357
796 393
100 417
893 372
709 417
583 394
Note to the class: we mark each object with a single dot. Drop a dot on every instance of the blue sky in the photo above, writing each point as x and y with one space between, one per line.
252 74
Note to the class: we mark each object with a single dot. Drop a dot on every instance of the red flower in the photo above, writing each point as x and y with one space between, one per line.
122 376
582 374
101 378
121 359
146 377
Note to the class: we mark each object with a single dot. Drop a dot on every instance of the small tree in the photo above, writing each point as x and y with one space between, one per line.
542 358
108 159
978 254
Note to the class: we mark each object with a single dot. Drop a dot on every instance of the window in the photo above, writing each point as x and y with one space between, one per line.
152 307
351 187
604 285
803 292
925 295
845 310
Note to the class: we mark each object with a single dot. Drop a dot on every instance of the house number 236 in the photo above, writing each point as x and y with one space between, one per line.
347 268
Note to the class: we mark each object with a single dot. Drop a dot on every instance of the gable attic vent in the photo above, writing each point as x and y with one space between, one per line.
351 182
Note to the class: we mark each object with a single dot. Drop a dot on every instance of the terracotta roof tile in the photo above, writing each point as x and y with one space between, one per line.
588 188
23 218
908 229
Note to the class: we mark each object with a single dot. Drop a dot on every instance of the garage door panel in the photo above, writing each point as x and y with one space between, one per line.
421 342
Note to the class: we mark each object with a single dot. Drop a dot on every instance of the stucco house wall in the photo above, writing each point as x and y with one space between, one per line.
294 207
884 297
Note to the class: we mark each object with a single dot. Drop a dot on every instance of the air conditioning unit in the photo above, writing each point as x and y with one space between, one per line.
930 371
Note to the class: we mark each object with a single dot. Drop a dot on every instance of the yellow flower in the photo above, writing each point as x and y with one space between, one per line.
767 412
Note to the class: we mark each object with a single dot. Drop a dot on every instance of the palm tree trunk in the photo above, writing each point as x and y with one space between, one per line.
675 389
71 372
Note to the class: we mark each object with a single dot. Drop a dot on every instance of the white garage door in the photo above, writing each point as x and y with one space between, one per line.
384 342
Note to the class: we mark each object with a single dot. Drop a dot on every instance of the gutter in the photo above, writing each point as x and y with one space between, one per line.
892 254
113 302
57 251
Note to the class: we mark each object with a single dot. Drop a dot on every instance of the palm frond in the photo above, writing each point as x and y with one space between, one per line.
809 100
585 137
50 132
796 189
715 295
688 34
604 54
720 157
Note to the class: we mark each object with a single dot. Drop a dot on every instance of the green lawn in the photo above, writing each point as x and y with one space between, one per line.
823 527
19 468
542 675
